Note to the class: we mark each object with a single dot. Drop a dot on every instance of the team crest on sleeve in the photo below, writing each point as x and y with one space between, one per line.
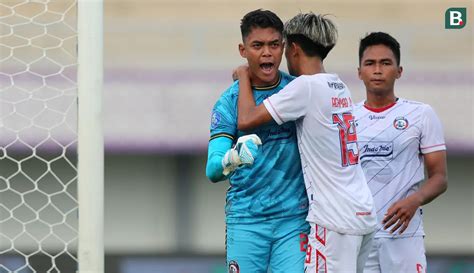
400 123
233 267
215 119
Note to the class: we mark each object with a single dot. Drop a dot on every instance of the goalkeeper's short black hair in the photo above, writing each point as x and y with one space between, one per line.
260 19
380 38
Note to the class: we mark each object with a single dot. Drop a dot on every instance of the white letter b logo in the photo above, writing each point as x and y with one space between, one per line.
455 18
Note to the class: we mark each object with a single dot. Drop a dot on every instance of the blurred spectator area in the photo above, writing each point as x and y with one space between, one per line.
167 62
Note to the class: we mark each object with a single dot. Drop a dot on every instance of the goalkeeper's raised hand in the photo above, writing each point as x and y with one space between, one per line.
243 153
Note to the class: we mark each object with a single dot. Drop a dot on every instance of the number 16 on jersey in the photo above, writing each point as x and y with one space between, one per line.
347 137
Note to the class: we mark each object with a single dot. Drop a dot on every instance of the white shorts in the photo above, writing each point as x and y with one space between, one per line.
332 252
389 255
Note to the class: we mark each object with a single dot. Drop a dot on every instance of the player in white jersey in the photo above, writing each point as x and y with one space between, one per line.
341 211
397 139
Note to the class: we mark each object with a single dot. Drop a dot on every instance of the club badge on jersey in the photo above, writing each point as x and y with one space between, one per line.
400 123
215 119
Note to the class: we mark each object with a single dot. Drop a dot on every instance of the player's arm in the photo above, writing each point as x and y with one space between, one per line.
223 160
437 182
250 115
215 153
291 103
434 155
223 130
400 213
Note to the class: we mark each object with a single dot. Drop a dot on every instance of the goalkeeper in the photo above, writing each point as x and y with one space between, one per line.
266 204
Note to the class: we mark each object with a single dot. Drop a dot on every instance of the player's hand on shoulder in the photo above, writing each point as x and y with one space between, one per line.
399 215
242 154
240 71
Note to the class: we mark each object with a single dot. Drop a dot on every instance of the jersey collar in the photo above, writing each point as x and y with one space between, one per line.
379 110
268 87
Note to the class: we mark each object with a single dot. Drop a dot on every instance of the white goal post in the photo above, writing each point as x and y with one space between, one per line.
90 137
51 136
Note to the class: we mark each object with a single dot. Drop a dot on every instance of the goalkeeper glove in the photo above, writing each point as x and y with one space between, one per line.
242 154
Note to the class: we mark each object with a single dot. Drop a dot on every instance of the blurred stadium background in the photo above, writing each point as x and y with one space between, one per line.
167 62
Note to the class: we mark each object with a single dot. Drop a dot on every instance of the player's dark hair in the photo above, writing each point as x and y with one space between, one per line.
260 19
310 48
380 38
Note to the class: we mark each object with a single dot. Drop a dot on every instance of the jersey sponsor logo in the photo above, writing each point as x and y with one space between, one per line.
336 85
215 119
376 149
234 267
277 133
400 123
372 117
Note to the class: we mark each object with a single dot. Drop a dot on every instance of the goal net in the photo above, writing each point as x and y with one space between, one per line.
39 224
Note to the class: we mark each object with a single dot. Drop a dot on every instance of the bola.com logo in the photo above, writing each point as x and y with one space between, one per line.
455 18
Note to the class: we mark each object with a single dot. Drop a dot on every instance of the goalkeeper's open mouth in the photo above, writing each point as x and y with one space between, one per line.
267 68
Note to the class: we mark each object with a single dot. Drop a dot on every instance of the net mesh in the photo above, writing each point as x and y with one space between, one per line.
38 136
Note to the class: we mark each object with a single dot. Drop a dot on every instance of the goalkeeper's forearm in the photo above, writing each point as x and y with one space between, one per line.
216 151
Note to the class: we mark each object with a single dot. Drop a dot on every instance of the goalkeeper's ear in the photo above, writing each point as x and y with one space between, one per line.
242 51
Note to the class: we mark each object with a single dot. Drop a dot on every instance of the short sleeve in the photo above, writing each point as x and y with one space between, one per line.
291 102
432 137
224 118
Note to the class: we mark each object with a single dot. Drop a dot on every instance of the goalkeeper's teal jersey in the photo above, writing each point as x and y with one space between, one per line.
273 186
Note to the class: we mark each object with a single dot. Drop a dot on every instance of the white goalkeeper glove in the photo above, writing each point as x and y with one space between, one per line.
242 154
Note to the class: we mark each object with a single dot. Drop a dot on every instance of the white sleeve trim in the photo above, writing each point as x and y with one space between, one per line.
432 137
433 148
